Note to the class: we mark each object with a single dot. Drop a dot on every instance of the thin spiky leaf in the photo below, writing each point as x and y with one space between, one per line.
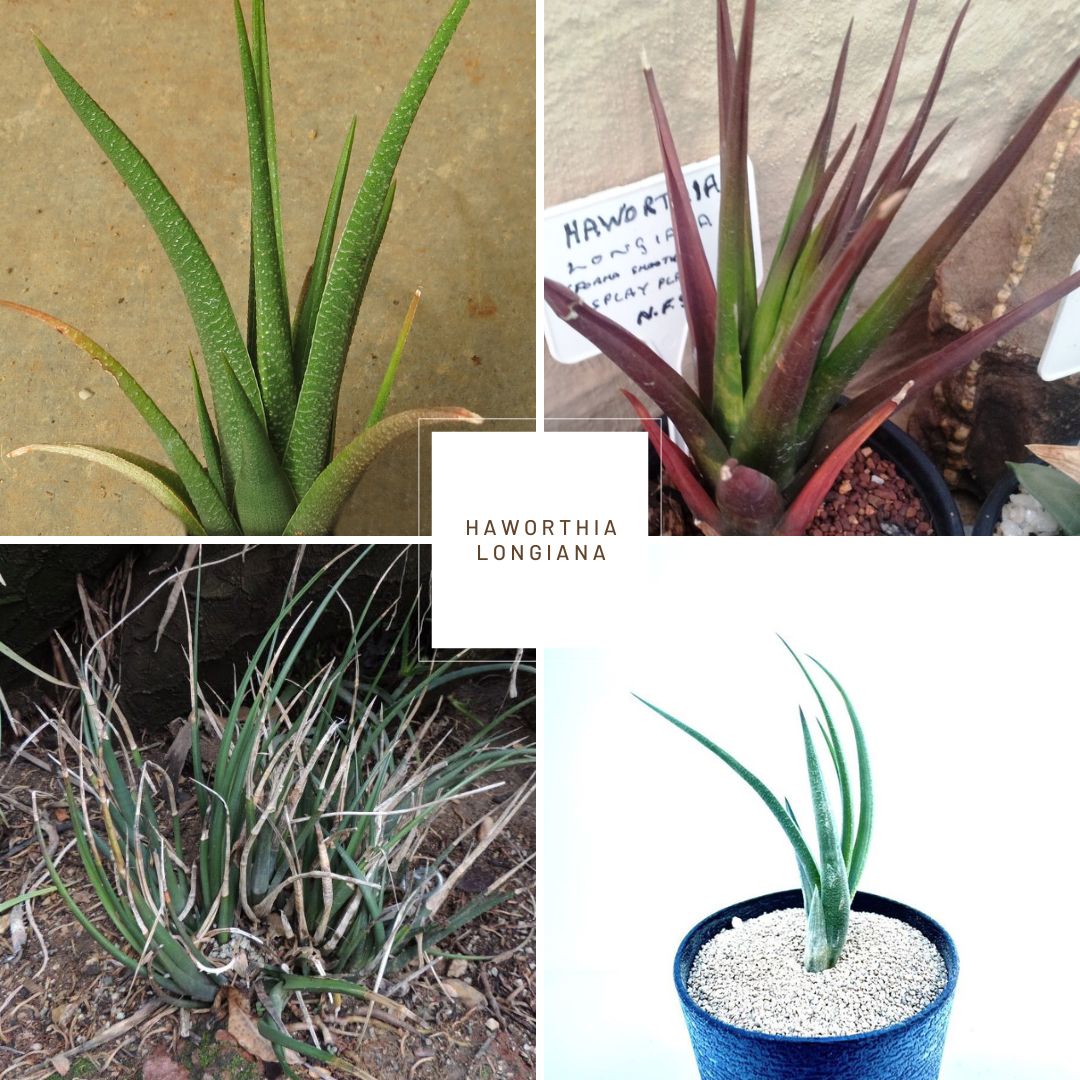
929 370
680 470
834 895
322 503
879 320
261 61
273 336
695 276
846 220
211 449
866 787
160 482
309 443
207 501
791 830
836 752
657 379
227 358
812 493
387 384
316 277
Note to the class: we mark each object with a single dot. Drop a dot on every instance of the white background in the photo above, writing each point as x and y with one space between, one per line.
967 689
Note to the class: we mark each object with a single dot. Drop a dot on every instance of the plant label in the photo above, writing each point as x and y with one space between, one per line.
616 250
1061 356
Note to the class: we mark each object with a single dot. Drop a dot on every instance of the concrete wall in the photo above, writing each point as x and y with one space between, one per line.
598 129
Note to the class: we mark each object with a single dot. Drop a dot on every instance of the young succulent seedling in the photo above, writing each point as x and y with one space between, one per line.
765 439
1056 485
829 881
268 463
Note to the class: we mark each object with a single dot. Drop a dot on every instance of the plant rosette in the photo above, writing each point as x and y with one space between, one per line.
907 1049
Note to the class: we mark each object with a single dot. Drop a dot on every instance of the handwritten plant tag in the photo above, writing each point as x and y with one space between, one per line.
1061 356
616 250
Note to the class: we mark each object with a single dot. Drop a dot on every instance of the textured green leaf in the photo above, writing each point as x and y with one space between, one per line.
164 485
309 443
787 823
316 280
206 499
211 449
232 377
273 336
834 894
323 501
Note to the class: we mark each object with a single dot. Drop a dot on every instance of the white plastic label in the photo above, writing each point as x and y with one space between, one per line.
1061 356
616 250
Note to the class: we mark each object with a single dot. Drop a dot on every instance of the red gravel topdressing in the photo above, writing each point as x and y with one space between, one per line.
870 498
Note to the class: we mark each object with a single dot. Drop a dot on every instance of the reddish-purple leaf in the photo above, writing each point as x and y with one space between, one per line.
928 370
680 470
656 378
883 316
698 287
749 501
844 222
805 505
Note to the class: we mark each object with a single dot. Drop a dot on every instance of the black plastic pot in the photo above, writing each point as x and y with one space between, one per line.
991 510
910 1050
913 464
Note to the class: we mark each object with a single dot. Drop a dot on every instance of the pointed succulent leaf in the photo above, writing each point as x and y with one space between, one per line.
160 482
836 752
657 379
695 276
205 497
309 443
273 336
316 279
834 895
1058 493
387 384
680 469
866 788
928 370
211 449
791 830
261 60
812 492
320 506
888 310
232 377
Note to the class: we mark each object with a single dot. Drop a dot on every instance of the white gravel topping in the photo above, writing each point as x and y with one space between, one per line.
752 976
1023 515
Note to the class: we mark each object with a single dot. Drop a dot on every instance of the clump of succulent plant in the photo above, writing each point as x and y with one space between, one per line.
268 461
765 438
830 880
1056 484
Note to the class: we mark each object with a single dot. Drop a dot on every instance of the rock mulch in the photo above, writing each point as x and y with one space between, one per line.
752 976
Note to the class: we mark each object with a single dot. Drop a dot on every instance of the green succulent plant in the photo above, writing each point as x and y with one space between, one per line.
268 454
830 880
766 440
1056 485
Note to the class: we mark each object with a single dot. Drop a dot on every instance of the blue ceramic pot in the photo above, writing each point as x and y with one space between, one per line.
910 1050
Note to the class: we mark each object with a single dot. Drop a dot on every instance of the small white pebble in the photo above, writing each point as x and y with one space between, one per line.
874 479
491 1024
85 394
